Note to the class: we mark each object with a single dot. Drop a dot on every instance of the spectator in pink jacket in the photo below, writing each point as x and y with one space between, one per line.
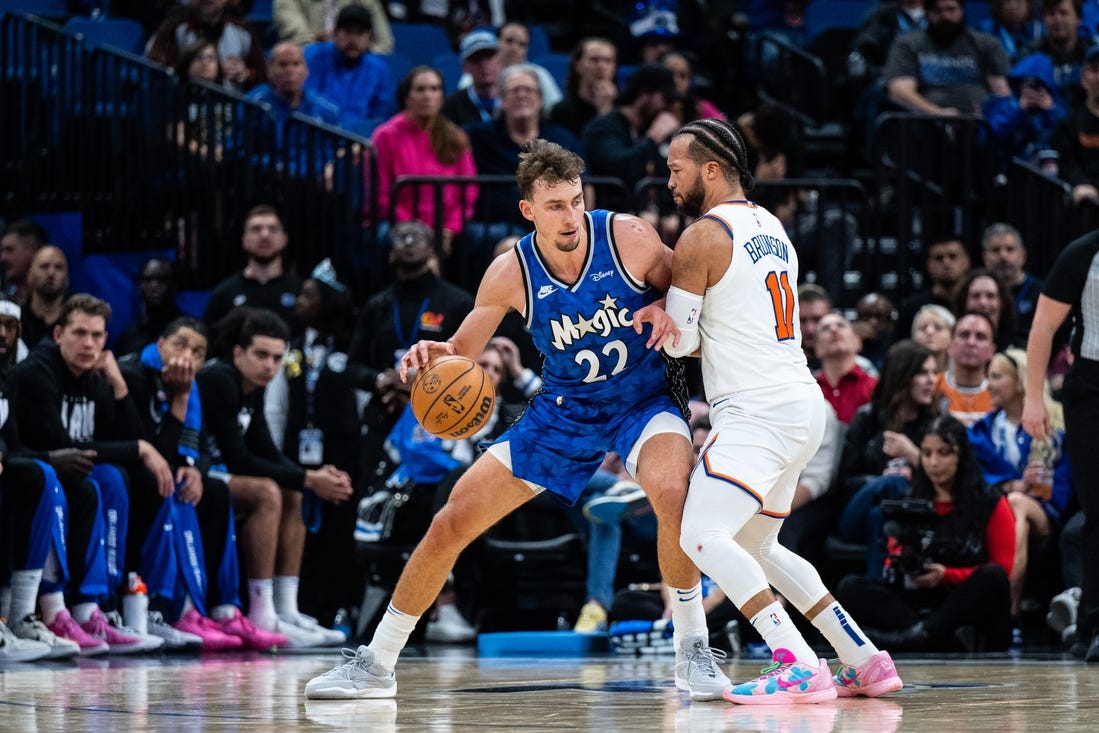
419 141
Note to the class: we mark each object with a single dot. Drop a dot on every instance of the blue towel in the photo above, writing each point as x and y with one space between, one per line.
192 421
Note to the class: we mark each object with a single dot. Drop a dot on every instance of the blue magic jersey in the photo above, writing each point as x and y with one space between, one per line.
585 329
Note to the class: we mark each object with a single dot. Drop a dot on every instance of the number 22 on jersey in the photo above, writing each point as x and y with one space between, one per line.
782 298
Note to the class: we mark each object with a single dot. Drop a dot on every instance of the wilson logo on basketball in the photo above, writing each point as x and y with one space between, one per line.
478 419
452 397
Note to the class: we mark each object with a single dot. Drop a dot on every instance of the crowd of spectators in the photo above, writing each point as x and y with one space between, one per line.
301 408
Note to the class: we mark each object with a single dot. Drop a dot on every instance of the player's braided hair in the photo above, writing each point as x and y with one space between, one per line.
717 140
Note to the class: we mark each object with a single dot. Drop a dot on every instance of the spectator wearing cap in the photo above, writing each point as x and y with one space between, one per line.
654 26
286 92
514 40
1076 138
308 21
479 52
346 73
629 142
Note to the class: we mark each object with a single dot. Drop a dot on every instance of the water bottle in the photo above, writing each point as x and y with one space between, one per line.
135 604
341 622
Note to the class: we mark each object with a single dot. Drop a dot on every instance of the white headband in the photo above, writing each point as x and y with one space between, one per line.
7 308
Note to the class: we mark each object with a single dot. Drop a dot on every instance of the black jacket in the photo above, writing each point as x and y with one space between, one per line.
240 436
56 410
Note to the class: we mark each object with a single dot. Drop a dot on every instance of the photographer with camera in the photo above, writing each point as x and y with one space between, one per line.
951 547
881 445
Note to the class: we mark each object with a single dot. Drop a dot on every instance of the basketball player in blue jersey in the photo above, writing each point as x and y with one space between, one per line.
733 295
586 283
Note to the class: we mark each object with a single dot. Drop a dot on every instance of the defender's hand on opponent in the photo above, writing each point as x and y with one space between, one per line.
423 353
663 325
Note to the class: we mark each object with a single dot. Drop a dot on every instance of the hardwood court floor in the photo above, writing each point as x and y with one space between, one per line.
452 690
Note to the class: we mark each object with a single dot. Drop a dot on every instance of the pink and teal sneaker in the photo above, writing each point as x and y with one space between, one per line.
877 677
786 682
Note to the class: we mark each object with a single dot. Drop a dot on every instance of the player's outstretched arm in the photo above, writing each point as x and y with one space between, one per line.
501 289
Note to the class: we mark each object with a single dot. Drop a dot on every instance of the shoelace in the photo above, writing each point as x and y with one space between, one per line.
115 619
42 633
357 662
707 658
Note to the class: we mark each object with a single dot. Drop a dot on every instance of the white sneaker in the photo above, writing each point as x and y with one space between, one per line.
331 637
1063 609
697 668
174 639
623 499
358 678
299 633
450 627
31 628
149 642
14 649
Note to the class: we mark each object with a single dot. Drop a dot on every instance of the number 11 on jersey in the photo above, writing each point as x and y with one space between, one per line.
782 298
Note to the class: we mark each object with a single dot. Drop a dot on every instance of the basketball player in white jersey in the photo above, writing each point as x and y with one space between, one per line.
734 286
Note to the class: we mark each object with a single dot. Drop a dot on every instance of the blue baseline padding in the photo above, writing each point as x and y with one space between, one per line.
541 643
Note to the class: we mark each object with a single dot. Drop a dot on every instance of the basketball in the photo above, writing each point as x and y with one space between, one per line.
452 397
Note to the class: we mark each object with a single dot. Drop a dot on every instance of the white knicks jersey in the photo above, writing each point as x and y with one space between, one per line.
750 332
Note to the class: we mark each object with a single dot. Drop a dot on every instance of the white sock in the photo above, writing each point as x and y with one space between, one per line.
223 612
688 618
51 605
851 645
391 636
24 593
261 607
776 628
286 595
83 611
188 604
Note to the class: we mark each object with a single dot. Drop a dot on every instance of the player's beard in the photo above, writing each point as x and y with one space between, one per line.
568 246
693 199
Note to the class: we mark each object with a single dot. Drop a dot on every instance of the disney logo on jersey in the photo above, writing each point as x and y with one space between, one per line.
609 316
596 277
